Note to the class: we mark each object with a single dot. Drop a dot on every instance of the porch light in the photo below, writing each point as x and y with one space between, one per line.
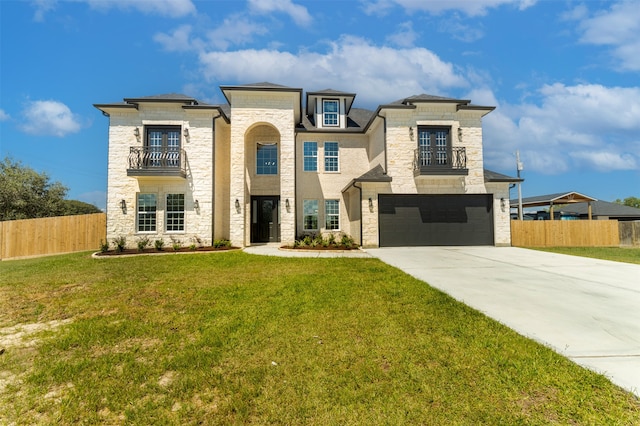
136 132
237 205
123 206
185 132
286 203
370 204
196 205
410 132
503 203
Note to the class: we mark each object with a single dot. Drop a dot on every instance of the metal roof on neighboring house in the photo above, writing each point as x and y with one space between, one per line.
558 198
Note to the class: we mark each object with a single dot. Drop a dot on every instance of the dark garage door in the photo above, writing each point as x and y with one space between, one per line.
435 220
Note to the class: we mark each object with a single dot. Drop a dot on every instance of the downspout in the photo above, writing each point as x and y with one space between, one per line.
384 142
213 177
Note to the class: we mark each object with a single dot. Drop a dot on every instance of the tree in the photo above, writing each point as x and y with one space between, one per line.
27 194
72 207
630 201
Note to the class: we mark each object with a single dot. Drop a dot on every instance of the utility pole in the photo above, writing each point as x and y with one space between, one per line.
519 167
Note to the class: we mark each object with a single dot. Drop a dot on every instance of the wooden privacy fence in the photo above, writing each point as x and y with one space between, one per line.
565 233
52 235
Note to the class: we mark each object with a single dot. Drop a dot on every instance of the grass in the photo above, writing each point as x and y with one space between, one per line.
230 338
617 254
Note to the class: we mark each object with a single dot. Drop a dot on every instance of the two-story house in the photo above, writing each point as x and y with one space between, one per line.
274 163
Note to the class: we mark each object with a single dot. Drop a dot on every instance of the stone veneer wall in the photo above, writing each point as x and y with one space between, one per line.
250 109
197 186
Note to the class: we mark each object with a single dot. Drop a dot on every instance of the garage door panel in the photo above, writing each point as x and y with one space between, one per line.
420 219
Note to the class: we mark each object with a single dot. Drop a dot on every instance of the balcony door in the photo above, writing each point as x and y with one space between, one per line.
163 146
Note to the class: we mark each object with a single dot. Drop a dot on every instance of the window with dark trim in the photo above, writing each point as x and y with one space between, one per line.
146 214
330 108
175 212
162 145
267 159
434 145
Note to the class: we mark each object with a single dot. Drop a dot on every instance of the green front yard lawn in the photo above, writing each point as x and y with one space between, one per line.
618 254
231 338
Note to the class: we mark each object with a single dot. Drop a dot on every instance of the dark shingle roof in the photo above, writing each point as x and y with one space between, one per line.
491 176
603 208
377 174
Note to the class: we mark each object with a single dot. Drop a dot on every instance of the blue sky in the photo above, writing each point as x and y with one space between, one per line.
564 76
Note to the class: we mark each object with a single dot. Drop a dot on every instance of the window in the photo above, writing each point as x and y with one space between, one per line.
434 146
163 146
332 214
310 156
330 112
267 159
310 212
175 212
331 157
146 212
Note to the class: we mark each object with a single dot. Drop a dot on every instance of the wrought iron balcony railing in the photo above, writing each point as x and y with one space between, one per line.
436 162
156 161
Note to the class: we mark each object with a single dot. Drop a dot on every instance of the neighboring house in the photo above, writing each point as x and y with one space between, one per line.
603 210
273 164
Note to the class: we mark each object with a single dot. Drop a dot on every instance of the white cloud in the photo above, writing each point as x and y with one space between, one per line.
42 7
405 36
170 8
570 127
617 27
235 30
50 118
179 40
468 7
3 115
299 14
378 74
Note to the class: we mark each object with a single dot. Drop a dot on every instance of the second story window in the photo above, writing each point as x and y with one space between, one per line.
267 159
310 156
330 113
434 146
162 146
331 157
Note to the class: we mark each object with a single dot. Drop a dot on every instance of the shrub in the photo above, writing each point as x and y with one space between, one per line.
120 243
143 242
175 243
159 244
346 241
223 243
104 246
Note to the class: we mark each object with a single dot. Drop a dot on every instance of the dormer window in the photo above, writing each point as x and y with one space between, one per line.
330 112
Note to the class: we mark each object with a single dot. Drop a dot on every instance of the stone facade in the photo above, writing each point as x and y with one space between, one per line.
221 183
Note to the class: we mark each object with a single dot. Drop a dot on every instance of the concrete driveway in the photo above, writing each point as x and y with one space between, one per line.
587 310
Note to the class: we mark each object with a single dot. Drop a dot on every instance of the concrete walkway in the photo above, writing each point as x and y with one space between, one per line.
585 309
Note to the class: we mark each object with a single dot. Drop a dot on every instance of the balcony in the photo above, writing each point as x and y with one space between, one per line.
157 162
452 162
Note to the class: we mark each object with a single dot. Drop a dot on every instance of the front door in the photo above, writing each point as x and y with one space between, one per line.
265 219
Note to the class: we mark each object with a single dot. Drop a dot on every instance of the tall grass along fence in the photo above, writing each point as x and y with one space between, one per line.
52 235
565 233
